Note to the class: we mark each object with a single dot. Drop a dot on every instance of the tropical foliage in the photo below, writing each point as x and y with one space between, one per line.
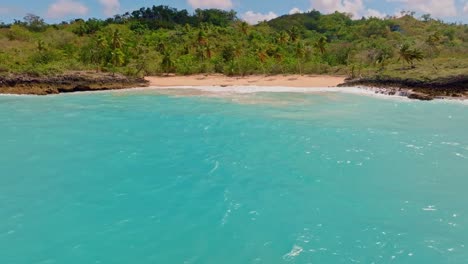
160 40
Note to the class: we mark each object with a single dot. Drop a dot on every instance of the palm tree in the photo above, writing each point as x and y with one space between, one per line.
294 34
277 53
209 50
167 63
101 42
40 45
381 60
283 37
117 55
417 55
117 41
118 59
201 38
300 54
409 55
238 51
321 44
187 28
228 53
244 27
432 41
262 57
405 53
161 47
141 58
98 53
200 52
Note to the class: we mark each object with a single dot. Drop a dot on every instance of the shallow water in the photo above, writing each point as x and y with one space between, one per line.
145 177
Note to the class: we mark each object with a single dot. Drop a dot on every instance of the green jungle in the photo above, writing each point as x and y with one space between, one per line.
161 40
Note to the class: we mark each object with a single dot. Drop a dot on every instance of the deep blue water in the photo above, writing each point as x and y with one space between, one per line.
141 177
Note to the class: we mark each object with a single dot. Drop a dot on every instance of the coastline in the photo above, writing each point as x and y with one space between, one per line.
447 88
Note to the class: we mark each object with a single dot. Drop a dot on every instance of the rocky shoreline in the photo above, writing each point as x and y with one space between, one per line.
455 87
67 83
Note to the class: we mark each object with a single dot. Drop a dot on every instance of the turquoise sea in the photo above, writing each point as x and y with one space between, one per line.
142 177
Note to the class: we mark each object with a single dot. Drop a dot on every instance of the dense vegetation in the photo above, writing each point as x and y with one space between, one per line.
162 40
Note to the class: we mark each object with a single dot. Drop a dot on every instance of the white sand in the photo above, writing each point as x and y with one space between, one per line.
305 81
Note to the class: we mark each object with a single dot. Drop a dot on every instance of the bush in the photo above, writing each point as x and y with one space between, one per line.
186 64
18 32
45 57
316 68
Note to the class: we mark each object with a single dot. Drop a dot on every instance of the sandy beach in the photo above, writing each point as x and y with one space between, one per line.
252 80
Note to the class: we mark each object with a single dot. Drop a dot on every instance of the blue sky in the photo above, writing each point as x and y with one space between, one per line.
250 10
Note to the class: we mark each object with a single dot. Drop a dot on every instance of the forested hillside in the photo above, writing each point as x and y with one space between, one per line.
160 39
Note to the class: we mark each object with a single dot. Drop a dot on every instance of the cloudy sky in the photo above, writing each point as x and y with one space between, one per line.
250 10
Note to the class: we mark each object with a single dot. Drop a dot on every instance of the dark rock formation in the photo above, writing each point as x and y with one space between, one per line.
455 86
422 97
67 83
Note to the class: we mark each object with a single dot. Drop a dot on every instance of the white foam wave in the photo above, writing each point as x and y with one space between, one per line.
274 89
359 90
450 143
233 90
215 167
430 208
295 251
18 95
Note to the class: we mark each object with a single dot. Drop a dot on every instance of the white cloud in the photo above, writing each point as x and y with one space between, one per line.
63 8
254 18
374 13
465 8
295 10
354 7
111 7
438 8
221 4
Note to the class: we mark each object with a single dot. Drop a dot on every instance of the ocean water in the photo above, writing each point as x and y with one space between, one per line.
150 177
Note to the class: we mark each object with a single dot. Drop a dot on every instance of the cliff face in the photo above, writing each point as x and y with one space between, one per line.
66 83
456 86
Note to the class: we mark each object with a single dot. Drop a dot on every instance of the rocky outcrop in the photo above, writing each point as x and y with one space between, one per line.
421 97
449 87
67 83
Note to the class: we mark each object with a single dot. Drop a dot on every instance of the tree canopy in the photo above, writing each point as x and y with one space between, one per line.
161 39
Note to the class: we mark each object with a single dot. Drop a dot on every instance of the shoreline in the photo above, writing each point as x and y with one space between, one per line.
234 91
455 87
447 88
